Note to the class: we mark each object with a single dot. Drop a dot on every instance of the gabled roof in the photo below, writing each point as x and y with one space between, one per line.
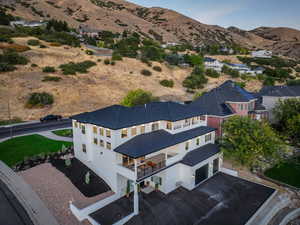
280 91
117 116
200 154
215 101
148 143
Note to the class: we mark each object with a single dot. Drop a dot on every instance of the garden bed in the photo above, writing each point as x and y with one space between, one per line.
64 133
287 172
76 173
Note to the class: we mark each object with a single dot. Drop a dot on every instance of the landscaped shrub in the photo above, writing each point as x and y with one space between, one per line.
49 69
10 58
34 65
33 42
157 68
146 72
89 52
293 82
39 99
106 61
72 68
51 78
116 57
212 73
167 83
113 63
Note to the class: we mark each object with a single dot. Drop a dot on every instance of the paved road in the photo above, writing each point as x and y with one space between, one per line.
33 128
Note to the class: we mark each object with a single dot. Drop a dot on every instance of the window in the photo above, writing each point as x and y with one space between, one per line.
202 118
124 133
207 137
95 141
108 145
84 148
133 131
143 129
197 141
194 120
242 106
94 129
83 129
169 125
101 131
108 134
75 124
187 145
101 143
187 121
155 126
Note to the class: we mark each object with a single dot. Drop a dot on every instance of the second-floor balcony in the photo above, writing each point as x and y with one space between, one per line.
147 166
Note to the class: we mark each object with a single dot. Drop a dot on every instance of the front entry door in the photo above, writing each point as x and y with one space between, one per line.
201 174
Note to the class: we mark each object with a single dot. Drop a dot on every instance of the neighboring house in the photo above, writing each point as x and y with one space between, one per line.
270 95
242 68
227 50
226 101
27 23
85 30
169 44
262 54
161 145
211 63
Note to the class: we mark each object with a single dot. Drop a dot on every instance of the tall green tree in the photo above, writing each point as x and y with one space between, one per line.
250 142
138 97
287 115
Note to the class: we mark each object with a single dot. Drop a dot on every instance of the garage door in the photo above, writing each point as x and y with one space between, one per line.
201 174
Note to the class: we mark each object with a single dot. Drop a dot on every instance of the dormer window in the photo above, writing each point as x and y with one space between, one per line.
94 129
101 131
124 133
197 141
108 133
143 128
133 131
155 126
187 144
169 125
83 129
207 138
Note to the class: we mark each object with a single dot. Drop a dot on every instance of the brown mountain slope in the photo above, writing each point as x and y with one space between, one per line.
161 24
119 15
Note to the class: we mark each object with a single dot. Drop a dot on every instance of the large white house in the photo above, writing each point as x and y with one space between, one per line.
262 54
162 145
211 63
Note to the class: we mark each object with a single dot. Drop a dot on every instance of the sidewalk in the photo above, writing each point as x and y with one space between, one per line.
51 135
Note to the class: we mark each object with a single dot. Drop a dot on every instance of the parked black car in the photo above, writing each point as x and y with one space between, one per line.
50 118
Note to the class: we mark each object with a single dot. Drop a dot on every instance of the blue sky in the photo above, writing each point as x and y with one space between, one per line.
246 14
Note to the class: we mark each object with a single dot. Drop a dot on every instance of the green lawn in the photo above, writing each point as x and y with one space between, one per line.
14 150
287 172
64 133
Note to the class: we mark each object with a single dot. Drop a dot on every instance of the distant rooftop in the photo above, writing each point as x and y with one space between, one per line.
280 91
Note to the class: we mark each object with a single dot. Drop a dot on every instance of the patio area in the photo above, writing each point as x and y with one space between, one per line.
56 190
221 200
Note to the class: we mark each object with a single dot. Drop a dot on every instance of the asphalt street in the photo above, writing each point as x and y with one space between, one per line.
33 128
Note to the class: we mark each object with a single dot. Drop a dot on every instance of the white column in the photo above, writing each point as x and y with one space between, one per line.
135 168
136 199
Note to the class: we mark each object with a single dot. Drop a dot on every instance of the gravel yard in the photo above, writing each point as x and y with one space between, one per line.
56 191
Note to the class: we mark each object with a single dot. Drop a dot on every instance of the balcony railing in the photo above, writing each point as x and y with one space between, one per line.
149 168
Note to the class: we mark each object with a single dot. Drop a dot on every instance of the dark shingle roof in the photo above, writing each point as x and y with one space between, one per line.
200 154
157 140
214 102
208 59
117 116
280 91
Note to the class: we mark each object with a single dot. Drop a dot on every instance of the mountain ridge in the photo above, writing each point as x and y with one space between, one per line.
162 24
